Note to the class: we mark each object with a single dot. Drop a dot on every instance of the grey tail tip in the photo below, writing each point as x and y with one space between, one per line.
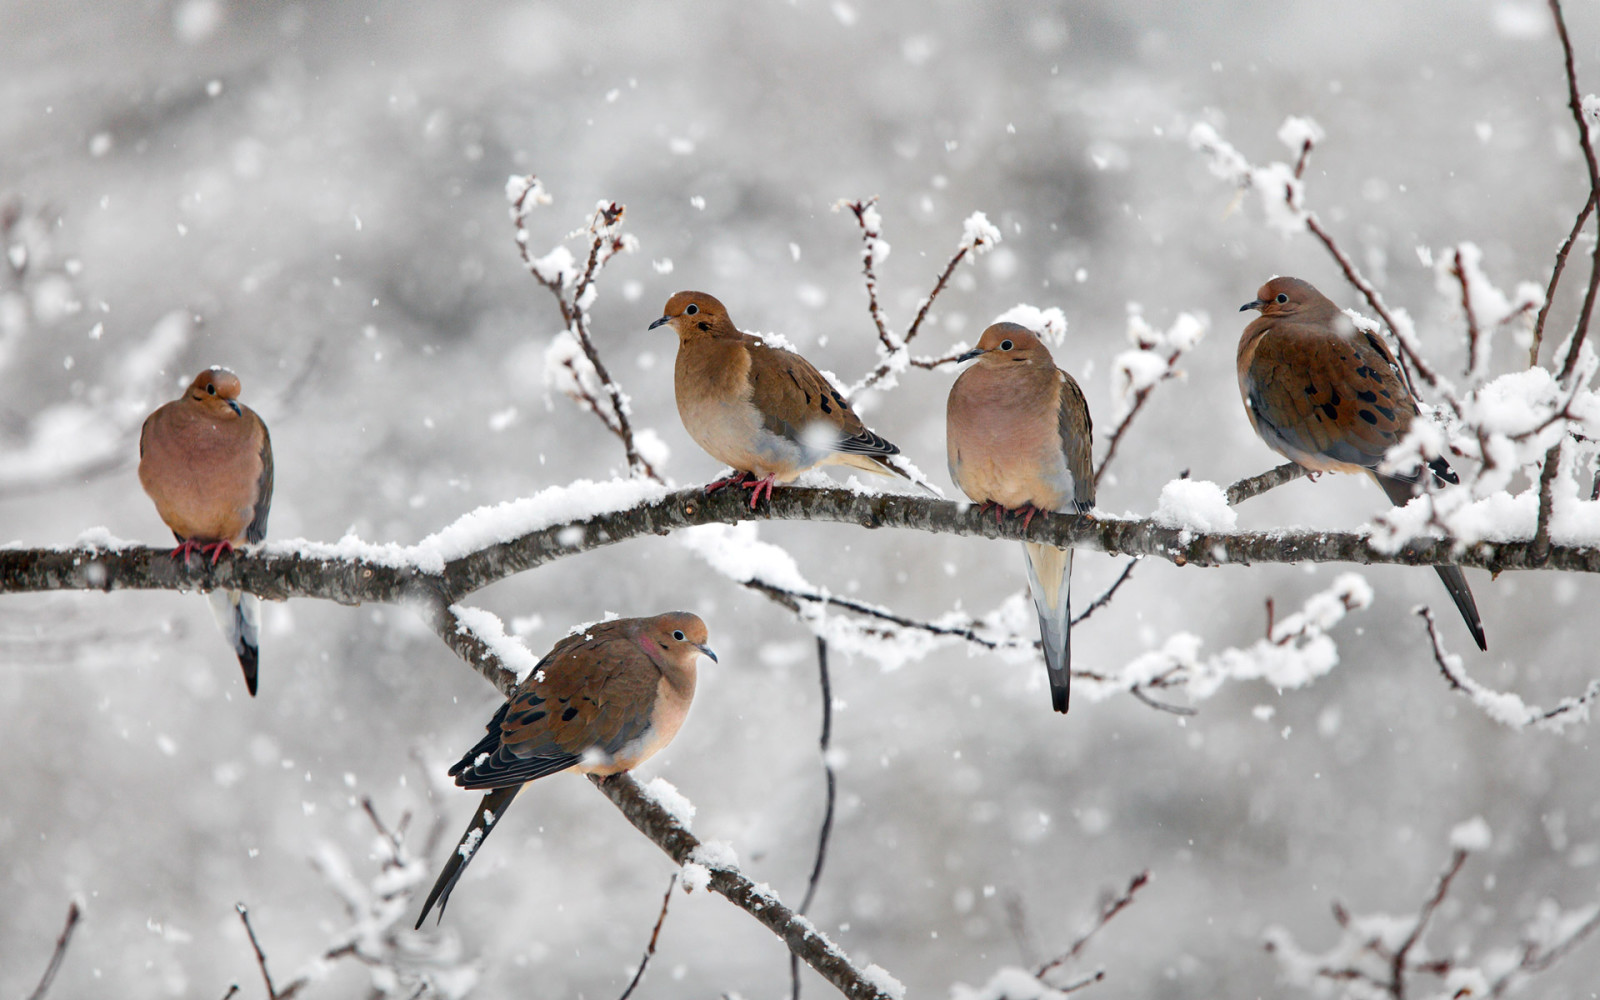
1058 698
249 662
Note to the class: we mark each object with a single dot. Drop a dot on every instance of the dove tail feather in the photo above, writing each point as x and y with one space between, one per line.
1049 583
238 615
484 819
1400 491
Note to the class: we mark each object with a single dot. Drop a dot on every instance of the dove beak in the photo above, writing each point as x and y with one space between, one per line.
234 406
652 326
975 352
1252 304
702 647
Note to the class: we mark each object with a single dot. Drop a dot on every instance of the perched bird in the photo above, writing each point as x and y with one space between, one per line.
1017 433
761 409
206 460
602 701
1330 397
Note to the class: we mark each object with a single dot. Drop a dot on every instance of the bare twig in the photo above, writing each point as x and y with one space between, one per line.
1107 912
1555 278
1575 104
1441 888
1254 486
1540 548
824 742
1105 598
261 958
59 955
1473 333
655 933
867 218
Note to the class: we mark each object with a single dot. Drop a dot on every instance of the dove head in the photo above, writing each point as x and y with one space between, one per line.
216 389
1290 297
675 640
1009 343
693 314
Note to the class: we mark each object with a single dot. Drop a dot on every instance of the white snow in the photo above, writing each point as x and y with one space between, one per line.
885 984
1008 983
979 235
718 854
1472 835
487 627
1050 324
666 795
1195 504
694 876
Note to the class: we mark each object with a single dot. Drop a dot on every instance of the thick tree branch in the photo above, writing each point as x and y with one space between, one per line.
1254 486
648 816
278 574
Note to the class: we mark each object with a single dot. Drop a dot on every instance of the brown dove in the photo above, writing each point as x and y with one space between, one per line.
206 460
761 409
602 701
1017 433
1324 394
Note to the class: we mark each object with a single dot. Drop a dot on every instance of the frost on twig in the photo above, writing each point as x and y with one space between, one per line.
1502 706
572 362
1295 652
1042 982
978 236
1383 955
401 963
1136 372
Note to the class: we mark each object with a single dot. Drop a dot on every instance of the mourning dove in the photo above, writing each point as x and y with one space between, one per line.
206 460
1330 397
1017 433
602 701
761 409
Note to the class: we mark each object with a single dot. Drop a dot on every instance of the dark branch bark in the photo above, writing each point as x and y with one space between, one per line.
277 576
679 844
1575 104
57 956
1254 486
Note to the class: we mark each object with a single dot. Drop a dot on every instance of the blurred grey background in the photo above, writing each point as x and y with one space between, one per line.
313 194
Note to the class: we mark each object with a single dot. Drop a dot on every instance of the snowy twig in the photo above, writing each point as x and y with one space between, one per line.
1139 398
1505 708
655 933
979 238
57 956
866 214
572 290
1107 912
825 742
1575 103
1254 486
1105 598
656 823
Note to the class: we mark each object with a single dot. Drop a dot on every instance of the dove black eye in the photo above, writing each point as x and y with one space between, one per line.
211 389
678 635
691 310
1282 298
1005 345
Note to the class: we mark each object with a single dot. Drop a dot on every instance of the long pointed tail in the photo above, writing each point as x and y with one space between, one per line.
238 615
1049 583
1400 492
483 820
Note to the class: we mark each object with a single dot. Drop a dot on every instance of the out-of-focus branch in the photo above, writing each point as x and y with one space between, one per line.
655 934
1473 333
1139 398
261 957
59 955
1116 905
1575 104
825 745
1507 709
